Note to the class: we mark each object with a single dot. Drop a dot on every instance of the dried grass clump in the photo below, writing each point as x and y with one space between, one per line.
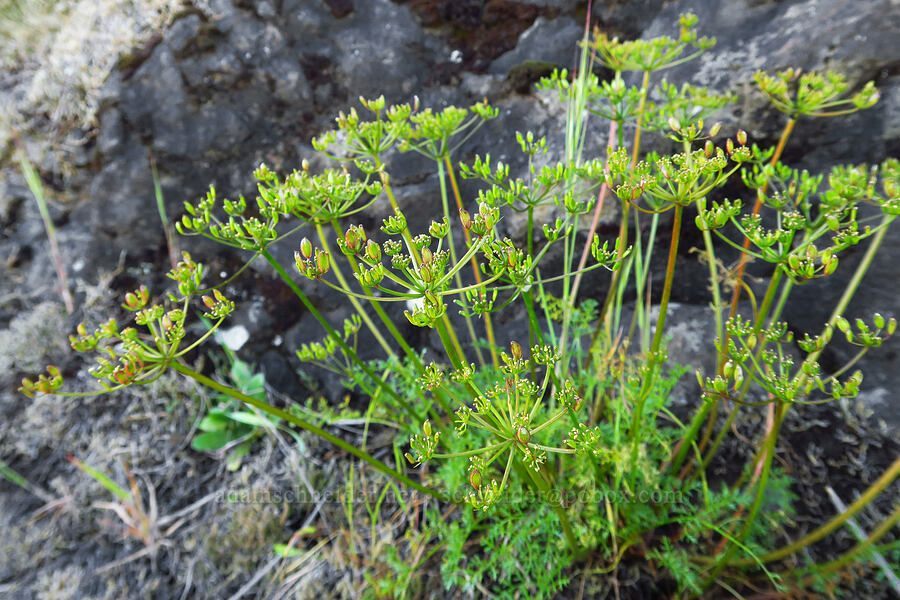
56 55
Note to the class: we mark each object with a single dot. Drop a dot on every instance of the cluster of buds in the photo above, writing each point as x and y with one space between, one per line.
44 385
717 216
311 264
423 446
568 398
587 441
802 266
432 377
136 300
428 311
481 223
126 371
188 274
324 350
653 54
864 335
813 94
218 306
513 363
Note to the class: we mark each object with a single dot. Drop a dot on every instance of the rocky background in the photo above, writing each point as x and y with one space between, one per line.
209 89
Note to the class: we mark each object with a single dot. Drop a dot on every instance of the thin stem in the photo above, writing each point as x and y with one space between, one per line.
653 359
476 272
742 264
868 496
388 323
295 420
769 450
356 305
337 337
879 532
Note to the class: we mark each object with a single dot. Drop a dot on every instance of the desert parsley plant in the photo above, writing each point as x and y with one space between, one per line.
561 443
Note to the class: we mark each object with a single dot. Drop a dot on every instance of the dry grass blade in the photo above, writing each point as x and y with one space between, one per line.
37 190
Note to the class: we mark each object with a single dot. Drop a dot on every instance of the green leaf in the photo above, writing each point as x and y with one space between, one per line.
256 387
285 551
214 421
233 463
240 373
103 479
211 440
249 418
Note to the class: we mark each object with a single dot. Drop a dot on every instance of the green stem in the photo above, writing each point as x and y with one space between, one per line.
653 359
879 532
295 420
452 249
769 450
870 494
546 489
337 337
476 272
388 323
761 315
356 305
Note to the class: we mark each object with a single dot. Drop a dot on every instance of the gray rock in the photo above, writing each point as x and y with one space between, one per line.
156 103
546 41
219 70
289 82
109 139
182 32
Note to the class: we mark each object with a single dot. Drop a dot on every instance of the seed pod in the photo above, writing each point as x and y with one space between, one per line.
719 385
351 239
714 130
738 378
322 262
516 350
523 435
465 218
306 248
475 479
741 136
427 256
373 251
